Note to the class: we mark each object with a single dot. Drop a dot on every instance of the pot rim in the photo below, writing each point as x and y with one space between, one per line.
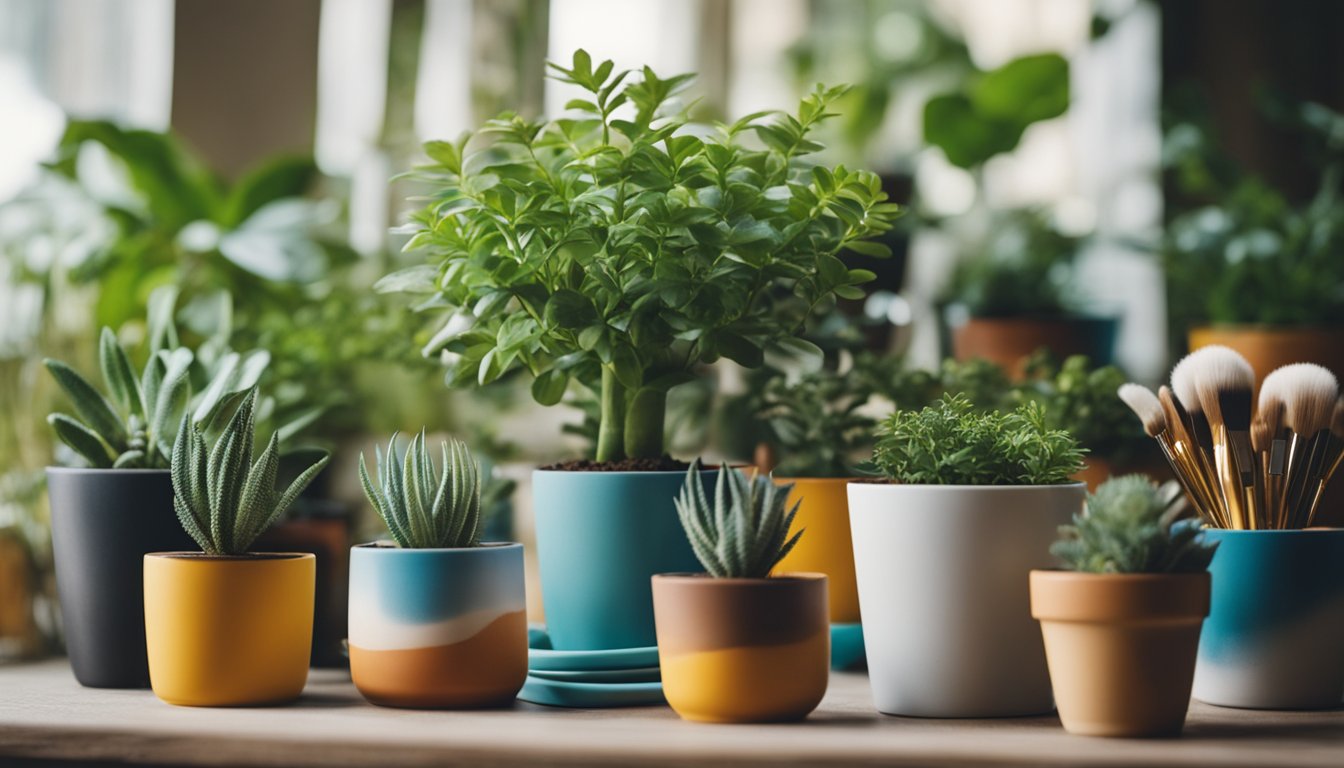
770 582
1063 575
106 470
1265 328
247 557
1282 532
626 473
492 546
930 486
827 480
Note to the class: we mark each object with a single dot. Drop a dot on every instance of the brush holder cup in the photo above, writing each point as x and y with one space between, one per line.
1274 638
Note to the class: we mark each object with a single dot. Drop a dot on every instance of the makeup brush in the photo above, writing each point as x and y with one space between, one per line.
1333 458
1224 382
1308 393
1267 440
1148 408
1187 451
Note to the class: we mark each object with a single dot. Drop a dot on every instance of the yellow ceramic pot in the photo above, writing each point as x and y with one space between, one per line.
742 650
228 631
823 510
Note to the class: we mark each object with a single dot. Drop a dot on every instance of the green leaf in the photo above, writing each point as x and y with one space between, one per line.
625 364
968 138
162 329
92 407
1025 90
419 279
118 374
276 179
81 440
570 309
739 349
549 388
869 248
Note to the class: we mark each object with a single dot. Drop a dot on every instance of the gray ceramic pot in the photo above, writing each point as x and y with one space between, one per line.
103 523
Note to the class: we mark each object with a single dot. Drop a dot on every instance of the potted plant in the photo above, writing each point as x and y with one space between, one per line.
106 514
1121 622
618 248
943 553
223 626
818 429
437 619
737 644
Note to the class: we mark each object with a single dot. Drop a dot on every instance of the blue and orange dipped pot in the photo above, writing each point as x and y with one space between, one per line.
438 628
1274 638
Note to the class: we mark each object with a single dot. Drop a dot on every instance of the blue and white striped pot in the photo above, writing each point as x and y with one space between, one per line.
1274 638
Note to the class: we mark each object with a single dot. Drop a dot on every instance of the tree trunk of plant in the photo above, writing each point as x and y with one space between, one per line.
611 421
644 424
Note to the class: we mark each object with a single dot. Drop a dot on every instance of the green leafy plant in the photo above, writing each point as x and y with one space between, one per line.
620 246
1080 400
223 499
1133 525
816 423
949 443
1025 268
744 533
423 507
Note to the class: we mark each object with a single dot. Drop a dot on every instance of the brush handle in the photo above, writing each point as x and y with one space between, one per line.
1190 481
1229 479
1331 467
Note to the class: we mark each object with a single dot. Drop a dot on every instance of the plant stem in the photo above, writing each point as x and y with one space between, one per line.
611 422
644 423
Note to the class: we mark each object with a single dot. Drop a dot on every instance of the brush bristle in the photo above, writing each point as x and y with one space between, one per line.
1309 394
1145 405
1223 382
1183 385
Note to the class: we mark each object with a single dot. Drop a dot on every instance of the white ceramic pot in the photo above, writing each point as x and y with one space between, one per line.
943 577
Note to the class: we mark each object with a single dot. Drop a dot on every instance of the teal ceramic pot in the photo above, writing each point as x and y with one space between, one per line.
438 627
601 536
1274 638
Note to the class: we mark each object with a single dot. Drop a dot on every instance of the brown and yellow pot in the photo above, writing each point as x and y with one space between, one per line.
1121 648
742 650
1270 347
823 510
228 630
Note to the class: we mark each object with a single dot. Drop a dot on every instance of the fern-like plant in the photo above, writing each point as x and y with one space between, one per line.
1133 525
951 443
423 508
131 426
745 531
223 499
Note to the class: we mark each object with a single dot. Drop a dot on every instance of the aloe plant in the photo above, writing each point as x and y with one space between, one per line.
423 508
223 499
744 533
1133 525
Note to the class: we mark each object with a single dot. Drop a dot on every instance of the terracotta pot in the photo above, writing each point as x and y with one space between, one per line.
1098 469
1009 341
228 631
1267 348
438 627
1121 648
742 650
823 511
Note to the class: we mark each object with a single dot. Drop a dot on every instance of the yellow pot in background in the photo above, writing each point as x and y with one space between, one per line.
823 510
228 631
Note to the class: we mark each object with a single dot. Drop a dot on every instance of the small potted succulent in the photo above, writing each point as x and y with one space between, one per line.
818 431
437 619
943 552
1121 622
738 644
616 249
223 626
109 512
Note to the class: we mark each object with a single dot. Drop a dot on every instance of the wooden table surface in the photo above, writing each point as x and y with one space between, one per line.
44 714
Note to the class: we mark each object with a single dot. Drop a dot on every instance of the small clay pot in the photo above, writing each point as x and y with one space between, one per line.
823 511
1009 341
438 628
1121 648
742 650
228 631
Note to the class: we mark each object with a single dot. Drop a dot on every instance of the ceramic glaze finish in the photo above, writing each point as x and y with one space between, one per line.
103 523
943 586
823 511
229 631
743 650
1275 632
438 627
600 537
1121 648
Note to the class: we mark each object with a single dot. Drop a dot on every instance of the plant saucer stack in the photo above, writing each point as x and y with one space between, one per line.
1256 468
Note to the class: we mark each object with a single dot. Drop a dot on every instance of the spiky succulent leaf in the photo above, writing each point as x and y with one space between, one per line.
423 507
745 532
1133 525
224 499
82 440
89 403
118 375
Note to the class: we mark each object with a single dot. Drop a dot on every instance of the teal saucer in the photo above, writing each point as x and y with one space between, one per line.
556 693
608 676
847 646
541 657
